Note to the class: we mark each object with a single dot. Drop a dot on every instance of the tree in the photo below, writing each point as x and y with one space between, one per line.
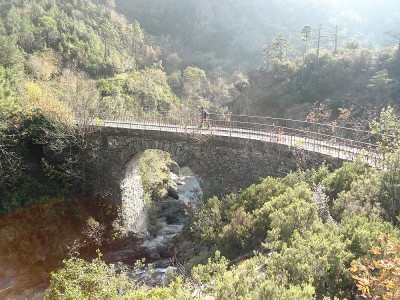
49 29
195 85
318 44
150 90
173 62
394 39
135 35
80 93
278 50
138 36
306 36
220 93
387 129
11 109
378 85
43 65
110 4
8 105
10 54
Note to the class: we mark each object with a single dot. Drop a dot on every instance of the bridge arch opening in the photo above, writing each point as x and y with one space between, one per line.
157 194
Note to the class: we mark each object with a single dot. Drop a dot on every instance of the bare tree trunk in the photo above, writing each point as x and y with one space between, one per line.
318 45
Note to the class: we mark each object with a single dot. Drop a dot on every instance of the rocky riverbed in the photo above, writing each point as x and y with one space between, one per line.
160 246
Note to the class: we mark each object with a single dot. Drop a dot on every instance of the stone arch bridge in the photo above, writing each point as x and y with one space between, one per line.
234 152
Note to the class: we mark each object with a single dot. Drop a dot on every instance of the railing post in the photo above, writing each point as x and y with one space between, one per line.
230 125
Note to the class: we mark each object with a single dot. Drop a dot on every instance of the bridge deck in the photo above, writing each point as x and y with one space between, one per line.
332 147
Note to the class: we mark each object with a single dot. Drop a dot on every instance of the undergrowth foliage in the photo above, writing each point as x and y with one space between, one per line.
280 240
314 224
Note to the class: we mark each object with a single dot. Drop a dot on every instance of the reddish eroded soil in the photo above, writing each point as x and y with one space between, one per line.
35 240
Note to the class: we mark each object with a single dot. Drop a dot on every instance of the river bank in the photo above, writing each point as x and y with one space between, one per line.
35 240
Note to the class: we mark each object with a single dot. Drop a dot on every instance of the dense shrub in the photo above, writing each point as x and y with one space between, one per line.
307 245
363 196
247 281
321 255
362 232
341 179
390 189
80 280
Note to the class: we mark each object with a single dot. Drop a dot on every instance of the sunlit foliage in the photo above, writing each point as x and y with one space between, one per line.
378 276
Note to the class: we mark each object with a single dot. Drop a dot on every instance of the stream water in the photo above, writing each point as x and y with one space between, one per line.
189 193
188 186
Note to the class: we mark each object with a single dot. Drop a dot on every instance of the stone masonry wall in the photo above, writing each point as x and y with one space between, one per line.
222 164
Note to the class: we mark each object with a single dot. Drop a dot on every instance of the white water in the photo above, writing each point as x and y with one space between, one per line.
135 218
189 189
134 212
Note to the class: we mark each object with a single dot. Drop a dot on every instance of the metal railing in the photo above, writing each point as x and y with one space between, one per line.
341 142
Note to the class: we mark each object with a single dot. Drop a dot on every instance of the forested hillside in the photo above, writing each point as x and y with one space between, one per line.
216 32
284 56
351 82
50 39
53 58
61 61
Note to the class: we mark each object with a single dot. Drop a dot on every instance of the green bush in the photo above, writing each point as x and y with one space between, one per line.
341 179
209 220
29 191
284 213
390 191
307 258
238 237
79 279
363 196
154 171
321 256
246 281
256 195
362 232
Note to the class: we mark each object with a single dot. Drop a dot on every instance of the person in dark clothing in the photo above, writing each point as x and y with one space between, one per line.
204 118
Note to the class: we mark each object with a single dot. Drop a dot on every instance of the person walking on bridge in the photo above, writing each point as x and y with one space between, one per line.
204 118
